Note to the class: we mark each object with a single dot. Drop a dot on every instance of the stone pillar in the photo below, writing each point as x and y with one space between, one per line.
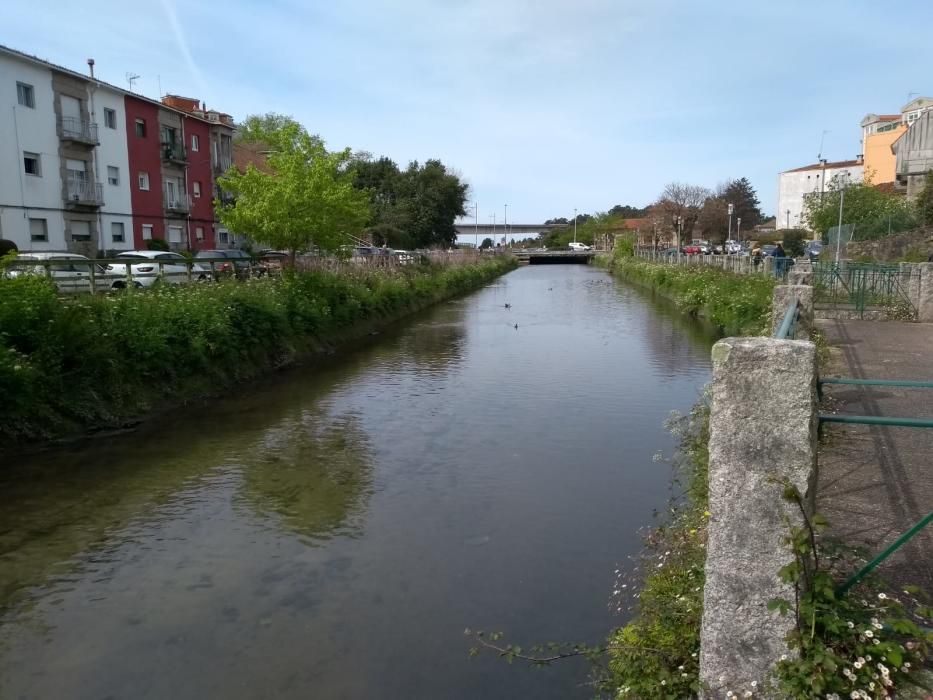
762 431
924 299
780 300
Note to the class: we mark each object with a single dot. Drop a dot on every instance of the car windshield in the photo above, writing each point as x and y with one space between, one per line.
210 254
135 256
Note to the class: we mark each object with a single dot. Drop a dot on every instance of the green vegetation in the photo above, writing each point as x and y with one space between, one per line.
874 212
82 363
411 208
924 201
301 197
656 655
738 304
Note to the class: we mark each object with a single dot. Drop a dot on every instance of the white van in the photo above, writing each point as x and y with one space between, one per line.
579 246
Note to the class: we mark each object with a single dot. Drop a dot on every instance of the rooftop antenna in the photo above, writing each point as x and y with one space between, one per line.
159 78
819 156
911 94
131 78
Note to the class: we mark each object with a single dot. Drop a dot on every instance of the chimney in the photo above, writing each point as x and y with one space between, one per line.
90 65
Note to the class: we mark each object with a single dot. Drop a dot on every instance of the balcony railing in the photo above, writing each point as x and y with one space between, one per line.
177 203
174 152
87 194
78 130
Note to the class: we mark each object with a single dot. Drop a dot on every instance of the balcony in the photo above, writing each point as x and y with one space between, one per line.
79 193
174 152
77 131
176 203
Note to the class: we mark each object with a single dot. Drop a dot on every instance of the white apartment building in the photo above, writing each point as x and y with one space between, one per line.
794 185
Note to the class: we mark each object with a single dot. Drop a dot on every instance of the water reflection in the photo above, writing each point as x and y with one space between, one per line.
310 475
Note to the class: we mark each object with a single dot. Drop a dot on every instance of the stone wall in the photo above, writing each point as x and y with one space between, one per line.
893 247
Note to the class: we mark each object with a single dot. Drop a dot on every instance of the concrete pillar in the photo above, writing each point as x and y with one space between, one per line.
762 430
781 298
925 293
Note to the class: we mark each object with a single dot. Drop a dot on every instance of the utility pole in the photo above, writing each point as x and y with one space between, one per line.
822 178
788 219
505 223
574 224
738 230
842 195
731 209
476 225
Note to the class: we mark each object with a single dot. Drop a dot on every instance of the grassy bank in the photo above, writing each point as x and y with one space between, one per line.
72 365
738 304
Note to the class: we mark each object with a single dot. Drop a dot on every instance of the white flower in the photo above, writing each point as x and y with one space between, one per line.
783 657
858 664
663 682
754 684
747 694
869 634
854 695
882 596
850 624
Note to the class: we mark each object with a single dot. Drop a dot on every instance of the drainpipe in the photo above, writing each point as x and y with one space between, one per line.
184 145
22 193
92 88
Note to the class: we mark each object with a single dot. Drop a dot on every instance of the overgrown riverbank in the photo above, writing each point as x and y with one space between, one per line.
72 365
738 304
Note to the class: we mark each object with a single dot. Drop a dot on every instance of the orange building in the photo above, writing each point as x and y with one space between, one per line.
879 132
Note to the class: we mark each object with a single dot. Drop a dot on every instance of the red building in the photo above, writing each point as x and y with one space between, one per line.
176 150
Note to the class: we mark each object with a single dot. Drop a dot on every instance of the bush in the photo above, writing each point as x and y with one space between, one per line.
157 244
792 240
739 304
90 361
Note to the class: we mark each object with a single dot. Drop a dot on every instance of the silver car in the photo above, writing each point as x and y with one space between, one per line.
69 272
146 267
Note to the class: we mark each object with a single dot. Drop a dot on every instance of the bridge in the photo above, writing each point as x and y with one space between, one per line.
553 257
465 229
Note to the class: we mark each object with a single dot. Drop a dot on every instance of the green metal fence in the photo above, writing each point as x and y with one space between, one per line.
861 287
885 421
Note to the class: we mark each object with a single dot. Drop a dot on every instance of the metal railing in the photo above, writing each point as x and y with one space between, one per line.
860 287
84 192
889 421
730 262
788 328
76 129
174 151
177 202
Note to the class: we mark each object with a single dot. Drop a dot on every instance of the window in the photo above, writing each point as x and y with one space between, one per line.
196 188
141 128
222 235
147 232
80 230
199 233
168 136
174 234
170 191
26 96
110 118
31 164
38 230
113 175
144 181
117 232
195 142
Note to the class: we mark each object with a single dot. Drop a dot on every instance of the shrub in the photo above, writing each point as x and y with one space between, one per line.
72 364
157 244
792 240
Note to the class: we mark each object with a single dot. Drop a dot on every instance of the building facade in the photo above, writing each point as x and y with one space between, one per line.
914 154
88 167
879 132
794 185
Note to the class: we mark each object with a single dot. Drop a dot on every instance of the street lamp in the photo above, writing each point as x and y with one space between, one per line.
788 219
738 230
574 224
505 223
476 225
731 209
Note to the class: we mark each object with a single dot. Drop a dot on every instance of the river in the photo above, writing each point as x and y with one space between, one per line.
330 531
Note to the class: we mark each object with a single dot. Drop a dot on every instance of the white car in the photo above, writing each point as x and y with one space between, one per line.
579 246
146 267
69 272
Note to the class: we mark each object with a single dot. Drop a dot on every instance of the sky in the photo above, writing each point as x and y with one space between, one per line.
545 105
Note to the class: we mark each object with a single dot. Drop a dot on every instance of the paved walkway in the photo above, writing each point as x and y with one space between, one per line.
875 482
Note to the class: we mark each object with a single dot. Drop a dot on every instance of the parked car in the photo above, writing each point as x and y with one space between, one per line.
69 272
229 262
575 245
768 249
697 248
404 257
813 249
149 266
273 260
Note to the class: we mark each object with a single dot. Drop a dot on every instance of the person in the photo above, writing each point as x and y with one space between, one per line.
779 252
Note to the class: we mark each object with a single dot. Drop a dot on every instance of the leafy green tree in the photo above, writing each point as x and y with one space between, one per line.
792 240
744 200
874 212
628 212
924 201
306 198
487 243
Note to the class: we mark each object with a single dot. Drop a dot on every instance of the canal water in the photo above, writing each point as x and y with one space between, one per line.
331 531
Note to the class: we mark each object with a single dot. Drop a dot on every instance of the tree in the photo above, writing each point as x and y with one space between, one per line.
679 200
744 200
874 212
924 201
487 243
306 198
713 220
628 212
561 220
